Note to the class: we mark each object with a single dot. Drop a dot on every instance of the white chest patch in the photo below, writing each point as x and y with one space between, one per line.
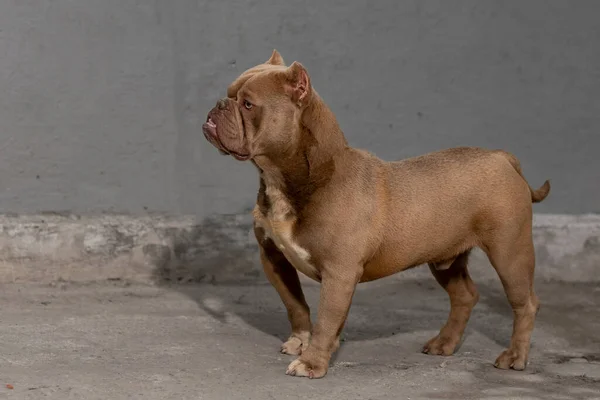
278 226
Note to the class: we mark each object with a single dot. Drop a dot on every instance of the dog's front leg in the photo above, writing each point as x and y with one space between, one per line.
284 277
337 289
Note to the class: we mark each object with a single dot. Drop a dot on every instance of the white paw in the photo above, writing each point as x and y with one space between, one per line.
296 344
299 368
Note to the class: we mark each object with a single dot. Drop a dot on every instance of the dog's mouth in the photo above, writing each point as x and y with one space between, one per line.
209 128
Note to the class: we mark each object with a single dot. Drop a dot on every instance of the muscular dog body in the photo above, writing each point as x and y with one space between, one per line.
341 215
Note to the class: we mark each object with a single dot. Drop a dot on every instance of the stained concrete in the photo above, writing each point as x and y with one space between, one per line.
102 100
222 342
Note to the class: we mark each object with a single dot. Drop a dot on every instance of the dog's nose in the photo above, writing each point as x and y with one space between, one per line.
221 104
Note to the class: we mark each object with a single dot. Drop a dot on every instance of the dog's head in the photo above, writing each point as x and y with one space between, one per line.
261 114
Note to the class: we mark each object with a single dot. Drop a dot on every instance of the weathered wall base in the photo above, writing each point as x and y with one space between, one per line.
155 249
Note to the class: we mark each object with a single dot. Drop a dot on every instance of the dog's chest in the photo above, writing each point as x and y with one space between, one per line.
278 225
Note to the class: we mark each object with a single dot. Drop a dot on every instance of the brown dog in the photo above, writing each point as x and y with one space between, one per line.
342 216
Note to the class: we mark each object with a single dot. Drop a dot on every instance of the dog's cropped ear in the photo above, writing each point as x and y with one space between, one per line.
298 84
275 59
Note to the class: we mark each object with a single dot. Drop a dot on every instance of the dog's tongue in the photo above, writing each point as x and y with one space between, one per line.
210 127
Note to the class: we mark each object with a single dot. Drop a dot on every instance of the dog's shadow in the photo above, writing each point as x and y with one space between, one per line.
216 264
376 312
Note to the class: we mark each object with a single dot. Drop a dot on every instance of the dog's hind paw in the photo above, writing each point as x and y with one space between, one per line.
441 346
511 359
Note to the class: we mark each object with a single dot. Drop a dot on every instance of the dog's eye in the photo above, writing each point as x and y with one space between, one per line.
248 105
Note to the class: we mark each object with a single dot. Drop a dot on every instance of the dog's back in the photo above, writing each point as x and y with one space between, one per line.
442 204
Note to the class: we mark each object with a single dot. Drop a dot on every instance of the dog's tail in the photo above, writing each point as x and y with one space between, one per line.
541 193
537 195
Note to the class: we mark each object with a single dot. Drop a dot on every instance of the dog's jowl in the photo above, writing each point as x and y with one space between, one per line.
341 215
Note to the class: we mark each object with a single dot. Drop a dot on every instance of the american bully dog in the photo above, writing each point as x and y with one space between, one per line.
342 216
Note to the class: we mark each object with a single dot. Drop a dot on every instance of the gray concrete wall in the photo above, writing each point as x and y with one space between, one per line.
102 100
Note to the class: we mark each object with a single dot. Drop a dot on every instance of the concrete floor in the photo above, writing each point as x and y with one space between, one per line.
115 341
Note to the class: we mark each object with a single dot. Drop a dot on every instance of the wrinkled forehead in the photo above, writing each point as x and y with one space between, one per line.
261 78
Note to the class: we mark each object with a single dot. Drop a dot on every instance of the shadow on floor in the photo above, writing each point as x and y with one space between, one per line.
221 250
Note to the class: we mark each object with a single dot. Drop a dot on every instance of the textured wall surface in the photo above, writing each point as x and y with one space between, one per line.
102 100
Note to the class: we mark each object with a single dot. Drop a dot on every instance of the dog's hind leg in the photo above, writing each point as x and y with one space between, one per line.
463 297
512 254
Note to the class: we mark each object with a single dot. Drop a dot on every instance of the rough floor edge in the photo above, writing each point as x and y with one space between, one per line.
156 249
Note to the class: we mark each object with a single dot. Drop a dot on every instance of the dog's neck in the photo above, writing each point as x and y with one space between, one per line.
309 165
322 125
